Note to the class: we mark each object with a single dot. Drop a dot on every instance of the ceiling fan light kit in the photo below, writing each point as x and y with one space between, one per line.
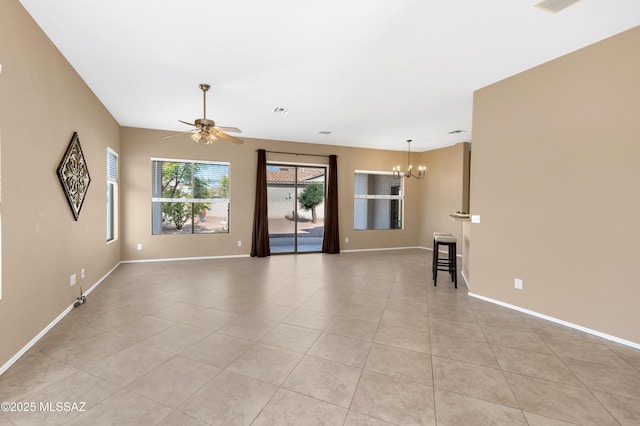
397 174
204 137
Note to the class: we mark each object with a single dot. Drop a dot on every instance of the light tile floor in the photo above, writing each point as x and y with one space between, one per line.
349 339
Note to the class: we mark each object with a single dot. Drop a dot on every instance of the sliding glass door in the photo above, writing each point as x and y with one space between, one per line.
295 198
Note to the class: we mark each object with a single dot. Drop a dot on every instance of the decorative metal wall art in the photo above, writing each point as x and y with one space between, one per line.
74 175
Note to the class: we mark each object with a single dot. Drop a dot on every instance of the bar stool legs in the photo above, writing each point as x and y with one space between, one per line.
448 264
434 260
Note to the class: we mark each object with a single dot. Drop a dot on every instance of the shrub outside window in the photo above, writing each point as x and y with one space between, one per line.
189 197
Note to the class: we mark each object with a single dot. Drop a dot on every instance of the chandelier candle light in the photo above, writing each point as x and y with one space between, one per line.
409 173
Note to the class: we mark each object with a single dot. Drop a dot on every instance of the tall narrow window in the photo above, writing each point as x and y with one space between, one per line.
189 197
112 194
378 199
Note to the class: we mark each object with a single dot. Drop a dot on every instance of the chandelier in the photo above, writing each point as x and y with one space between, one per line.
409 173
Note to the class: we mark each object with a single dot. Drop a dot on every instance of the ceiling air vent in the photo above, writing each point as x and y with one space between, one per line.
555 6
324 132
280 110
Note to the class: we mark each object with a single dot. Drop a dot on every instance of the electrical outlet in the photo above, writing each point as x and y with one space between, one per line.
346 239
72 280
82 273
475 218
239 243
518 284
139 246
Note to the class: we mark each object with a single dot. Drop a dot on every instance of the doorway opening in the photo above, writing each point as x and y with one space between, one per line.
295 200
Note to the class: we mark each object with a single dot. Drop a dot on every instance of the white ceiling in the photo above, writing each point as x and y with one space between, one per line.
373 72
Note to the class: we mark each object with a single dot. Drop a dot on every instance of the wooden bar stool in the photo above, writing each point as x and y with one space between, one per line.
449 263
434 259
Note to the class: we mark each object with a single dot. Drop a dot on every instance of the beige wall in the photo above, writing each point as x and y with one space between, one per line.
554 177
140 145
42 102
466 250
443 191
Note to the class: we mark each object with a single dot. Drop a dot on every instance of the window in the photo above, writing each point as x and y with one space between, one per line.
378 201
112 194
189 197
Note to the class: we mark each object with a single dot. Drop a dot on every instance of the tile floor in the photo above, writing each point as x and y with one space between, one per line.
349 339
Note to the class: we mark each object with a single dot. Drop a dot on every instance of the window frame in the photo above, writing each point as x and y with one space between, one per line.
112 195
399 197
191 201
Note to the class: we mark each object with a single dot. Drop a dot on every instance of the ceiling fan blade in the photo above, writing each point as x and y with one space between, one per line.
228 137
175 134
190 124
229 129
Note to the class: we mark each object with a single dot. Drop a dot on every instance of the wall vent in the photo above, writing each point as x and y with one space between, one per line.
555 6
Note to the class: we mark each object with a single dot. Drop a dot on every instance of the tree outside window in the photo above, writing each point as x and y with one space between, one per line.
310 197
190 197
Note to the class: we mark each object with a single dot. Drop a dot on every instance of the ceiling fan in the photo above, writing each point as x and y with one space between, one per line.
206 131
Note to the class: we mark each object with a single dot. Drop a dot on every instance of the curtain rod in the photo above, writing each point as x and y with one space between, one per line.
296 153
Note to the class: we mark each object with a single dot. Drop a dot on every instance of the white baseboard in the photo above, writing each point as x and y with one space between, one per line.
101 279
466 281
45 330
35 340
381 249
558 321
394 248
439 251
177 259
